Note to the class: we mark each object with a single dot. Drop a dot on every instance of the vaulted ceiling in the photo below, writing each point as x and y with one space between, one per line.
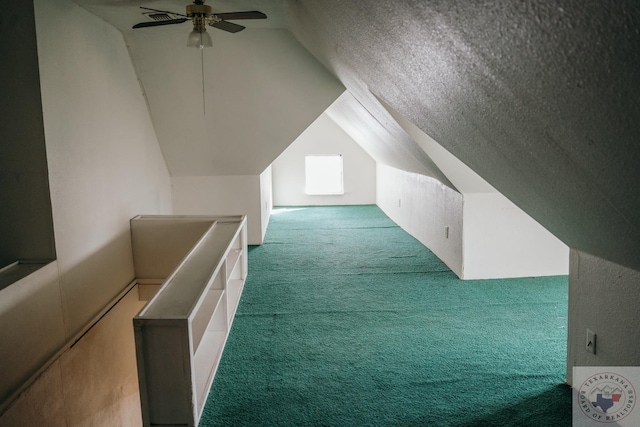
541 99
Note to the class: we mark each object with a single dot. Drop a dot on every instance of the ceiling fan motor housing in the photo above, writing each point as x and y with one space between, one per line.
200 14
199 10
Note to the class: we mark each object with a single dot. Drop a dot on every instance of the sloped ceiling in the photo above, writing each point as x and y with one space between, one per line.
541 99
466 181
261 90
230 109
385 141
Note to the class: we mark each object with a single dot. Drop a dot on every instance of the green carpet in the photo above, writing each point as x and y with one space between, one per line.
346 320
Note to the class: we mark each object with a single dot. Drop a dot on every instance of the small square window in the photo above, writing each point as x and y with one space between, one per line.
324 175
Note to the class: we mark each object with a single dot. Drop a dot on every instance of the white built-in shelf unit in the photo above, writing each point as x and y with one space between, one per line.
192 270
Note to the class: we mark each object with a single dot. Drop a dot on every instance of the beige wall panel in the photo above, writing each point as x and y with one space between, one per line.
41 405
100 374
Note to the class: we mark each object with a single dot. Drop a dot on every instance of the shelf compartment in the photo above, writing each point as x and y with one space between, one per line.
205 364
210 315
234 266
234 291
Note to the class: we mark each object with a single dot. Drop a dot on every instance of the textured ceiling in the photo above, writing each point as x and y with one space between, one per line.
539 98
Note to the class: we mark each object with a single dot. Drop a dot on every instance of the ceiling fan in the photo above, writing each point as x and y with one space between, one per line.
201 15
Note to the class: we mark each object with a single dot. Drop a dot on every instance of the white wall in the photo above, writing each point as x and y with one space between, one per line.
324 136
603 297
266 198
105 167
424 208
488 236
31 328
500 240
221 195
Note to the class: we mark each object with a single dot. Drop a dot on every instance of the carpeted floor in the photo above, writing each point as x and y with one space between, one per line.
346 320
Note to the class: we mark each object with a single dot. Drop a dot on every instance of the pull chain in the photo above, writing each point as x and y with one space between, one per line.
204 104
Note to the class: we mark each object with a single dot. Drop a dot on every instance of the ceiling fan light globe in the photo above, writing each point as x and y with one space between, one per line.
199 39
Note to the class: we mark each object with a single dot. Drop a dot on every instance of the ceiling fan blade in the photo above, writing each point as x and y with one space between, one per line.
229 27
158 23
163 11
231 16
